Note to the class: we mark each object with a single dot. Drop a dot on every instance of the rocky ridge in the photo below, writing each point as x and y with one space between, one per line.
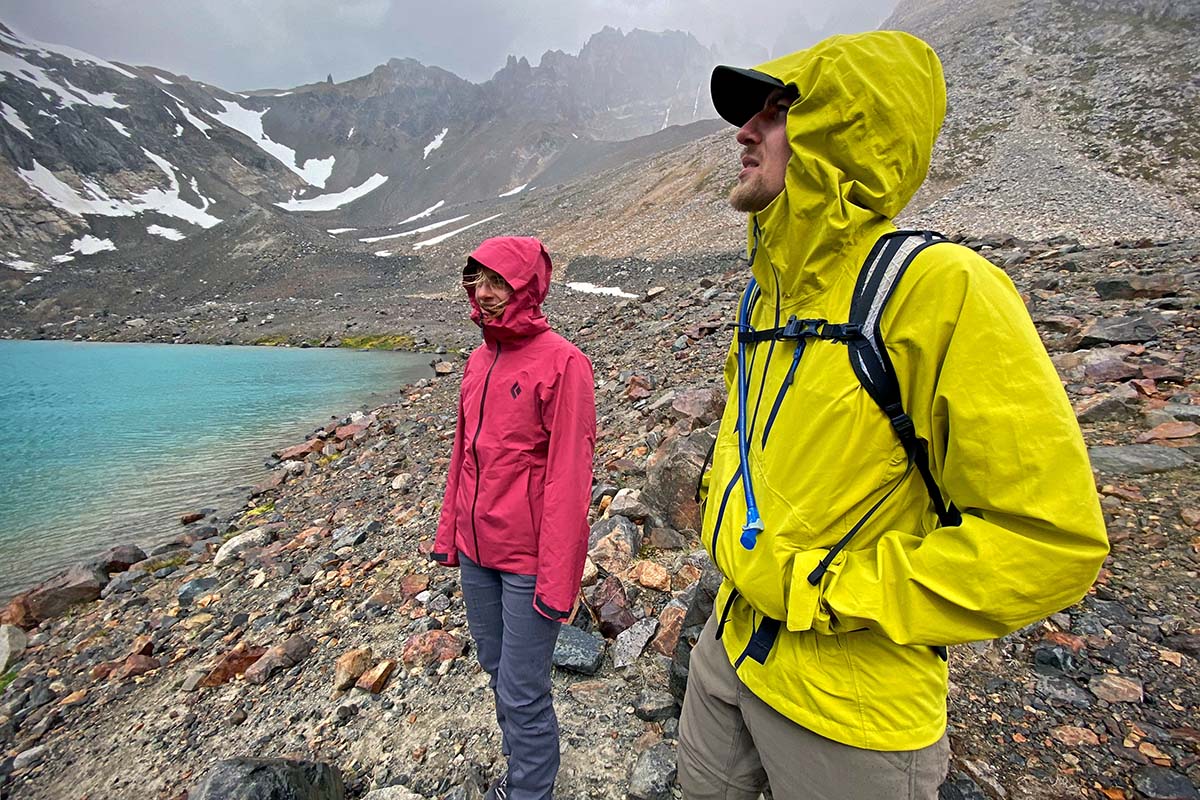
241 638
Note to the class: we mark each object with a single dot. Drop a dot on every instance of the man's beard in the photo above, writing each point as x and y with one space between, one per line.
751 196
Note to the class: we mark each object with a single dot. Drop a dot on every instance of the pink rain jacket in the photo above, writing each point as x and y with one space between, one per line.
520 478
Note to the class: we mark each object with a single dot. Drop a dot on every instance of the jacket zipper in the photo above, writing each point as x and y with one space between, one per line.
475 453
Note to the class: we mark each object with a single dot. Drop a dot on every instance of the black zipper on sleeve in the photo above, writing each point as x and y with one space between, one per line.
475 452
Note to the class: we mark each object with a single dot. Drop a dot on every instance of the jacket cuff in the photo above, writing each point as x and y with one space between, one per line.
549 612
445 559
805 611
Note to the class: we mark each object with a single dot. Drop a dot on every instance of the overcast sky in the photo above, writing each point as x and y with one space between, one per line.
248 44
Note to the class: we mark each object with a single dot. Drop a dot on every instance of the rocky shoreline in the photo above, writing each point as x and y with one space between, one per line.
309 625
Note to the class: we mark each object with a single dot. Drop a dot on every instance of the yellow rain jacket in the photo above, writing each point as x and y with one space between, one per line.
854 660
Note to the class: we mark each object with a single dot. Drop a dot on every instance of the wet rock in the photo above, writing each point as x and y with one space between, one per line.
1160 783
195 589
653 775
1133 328
270 779
1061 690
578 651
1138 459
958 786
119 558
13 641
1116 689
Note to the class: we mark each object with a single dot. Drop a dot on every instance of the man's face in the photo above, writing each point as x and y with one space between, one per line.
492 292
765 154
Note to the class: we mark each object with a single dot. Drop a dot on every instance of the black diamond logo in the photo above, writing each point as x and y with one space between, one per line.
515 391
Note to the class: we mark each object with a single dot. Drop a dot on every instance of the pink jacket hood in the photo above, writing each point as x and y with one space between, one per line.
525 264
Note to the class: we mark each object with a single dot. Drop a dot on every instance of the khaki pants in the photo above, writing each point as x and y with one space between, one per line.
732 745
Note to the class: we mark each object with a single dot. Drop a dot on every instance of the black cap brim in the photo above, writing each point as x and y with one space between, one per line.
738 94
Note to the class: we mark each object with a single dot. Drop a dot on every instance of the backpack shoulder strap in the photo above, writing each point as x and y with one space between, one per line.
877 281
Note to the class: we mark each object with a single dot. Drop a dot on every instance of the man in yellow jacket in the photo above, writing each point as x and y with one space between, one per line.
822 671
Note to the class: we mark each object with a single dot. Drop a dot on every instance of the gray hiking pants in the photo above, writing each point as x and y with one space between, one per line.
516 645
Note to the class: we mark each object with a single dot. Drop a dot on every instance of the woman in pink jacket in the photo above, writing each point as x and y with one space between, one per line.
514 516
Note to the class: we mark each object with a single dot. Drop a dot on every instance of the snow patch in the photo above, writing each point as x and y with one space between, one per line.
382 253
21 266
166 233
328 202
89 245
351 133
336 231
436 143
431 227
246 121
24 42
96 201
121 129
178 130
161 79
198 123
424 213
62 259
11 116
445 236
511 192
591 288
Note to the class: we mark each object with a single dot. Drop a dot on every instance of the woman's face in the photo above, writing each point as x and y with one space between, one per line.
492 292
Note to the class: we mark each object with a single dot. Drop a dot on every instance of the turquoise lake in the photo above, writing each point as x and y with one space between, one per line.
111 443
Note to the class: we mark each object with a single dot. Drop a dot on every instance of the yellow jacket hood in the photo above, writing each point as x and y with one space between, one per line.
861 132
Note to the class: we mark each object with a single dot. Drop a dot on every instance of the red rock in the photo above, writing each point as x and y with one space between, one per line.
134 666
375 679
1073 736
1162 373
102 670
685 576
1116 689
235 662
349 431
1170 430
431 647
349 667
1190 517
651 575
638 388
142 646
299 451
273 481
413 585
294 650
17 613
188 519
670 623
77 584
1069 640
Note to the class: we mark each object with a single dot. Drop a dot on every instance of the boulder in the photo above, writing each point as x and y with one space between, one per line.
77 584
285 656
258 537
613 543
578 651
119 558
270 779
12 644
672 476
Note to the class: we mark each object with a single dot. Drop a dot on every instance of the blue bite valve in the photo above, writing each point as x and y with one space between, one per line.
751 529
